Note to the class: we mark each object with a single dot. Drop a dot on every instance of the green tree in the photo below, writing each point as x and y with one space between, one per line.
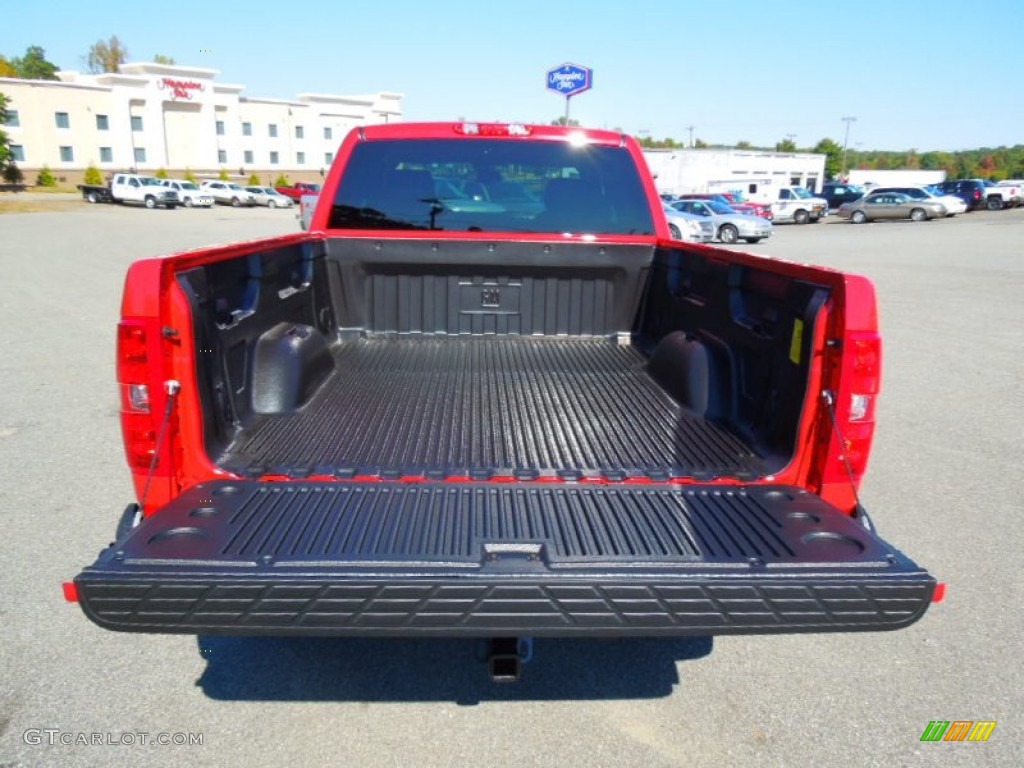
106 55
46 178
34 66
6 155
786 145
6 68
161 173
254 180
189 176
833 157
282 181
700 144
161 59
93 175
743 145
223 175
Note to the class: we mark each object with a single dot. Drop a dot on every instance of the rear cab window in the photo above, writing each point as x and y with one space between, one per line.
491 185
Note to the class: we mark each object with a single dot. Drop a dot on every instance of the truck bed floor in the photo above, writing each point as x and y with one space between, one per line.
484 407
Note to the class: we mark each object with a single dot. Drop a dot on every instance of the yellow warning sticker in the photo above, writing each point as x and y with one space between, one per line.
796 344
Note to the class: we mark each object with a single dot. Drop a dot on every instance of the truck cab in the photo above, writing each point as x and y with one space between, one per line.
143 190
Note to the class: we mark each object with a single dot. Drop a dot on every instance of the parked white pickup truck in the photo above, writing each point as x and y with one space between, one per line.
189 192
1003 194
133 188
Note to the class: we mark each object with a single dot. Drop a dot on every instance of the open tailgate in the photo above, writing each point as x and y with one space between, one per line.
482 559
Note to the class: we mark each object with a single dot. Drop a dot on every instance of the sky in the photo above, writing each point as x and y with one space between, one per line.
936 75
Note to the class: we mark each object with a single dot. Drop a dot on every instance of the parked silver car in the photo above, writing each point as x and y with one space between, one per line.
688 227
269 197
729 225
951 203
228 193
891 205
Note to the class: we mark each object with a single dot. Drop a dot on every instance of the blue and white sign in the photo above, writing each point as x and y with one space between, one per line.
570 79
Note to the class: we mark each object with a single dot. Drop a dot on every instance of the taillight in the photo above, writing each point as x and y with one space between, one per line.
854 404
137 340
977 194
131 352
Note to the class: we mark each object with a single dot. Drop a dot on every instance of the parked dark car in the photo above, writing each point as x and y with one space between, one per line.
971 191
837 194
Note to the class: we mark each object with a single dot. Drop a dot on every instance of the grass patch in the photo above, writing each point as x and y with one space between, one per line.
37 206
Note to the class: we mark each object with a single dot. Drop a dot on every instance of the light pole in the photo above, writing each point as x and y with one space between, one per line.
846 142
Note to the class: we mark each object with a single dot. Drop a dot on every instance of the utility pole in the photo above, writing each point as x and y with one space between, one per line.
690 129
846 142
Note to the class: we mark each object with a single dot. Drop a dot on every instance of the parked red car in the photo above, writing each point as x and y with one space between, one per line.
751 209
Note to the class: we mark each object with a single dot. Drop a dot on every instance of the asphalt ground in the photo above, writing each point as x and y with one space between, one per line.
943 485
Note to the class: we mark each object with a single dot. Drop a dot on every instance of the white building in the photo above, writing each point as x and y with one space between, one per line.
151 116
678 171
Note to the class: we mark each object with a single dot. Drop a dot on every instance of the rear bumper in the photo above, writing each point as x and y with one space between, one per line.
479 560
326 603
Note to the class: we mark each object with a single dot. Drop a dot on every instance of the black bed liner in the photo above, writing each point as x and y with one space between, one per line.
437 407
479 559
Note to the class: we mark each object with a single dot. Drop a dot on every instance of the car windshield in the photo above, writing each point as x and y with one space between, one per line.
236 187
488 185
802 193
149 181
269 191
720 208
257 190
188 185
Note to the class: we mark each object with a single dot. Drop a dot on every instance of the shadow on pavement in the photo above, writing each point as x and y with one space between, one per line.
322 669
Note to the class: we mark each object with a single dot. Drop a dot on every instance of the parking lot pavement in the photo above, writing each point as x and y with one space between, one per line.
942 485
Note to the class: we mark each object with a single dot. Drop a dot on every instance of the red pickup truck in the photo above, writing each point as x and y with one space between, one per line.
428 418
298 189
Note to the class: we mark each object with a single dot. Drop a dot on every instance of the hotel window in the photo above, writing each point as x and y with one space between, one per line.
12 119
136 122
300 158
328 133
102 123
273 158
67 155
272 130
248 157
18 153
247 129
300 132
63 121
106 155
220 127
222 156
140 154
328 157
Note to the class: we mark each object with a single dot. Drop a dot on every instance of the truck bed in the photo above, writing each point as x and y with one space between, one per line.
512 406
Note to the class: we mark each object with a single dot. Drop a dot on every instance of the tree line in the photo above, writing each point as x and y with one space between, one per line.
994 163
102 56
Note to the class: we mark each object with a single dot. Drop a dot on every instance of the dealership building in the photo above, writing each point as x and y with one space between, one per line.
150 116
